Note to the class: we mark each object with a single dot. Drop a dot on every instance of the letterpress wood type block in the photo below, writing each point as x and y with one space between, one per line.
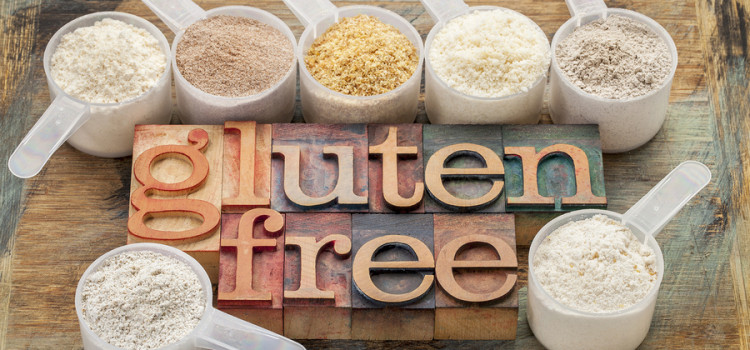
175 189
553 167
319 167
476 269
463 168
247 166
317 276
393 294
396 168
251 277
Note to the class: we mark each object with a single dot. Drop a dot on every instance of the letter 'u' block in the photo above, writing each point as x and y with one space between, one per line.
476 269
393 294
175 190
317 276
319 167
251 278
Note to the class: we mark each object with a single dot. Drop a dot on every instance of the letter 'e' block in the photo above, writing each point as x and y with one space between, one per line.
396 168
476 269
317 276
393 294
175 190
251 278
463 168
319 167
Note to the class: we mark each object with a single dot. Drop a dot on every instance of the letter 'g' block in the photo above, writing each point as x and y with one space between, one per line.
318 276
476 269
175 189
393 294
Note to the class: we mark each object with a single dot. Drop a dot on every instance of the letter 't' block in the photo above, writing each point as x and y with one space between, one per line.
175 190
247 166
317 276
463 168
396 168
393 294
476 268
251 275
553 168
319 167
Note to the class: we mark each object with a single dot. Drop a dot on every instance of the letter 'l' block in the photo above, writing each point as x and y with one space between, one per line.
463 168
251 278
393 294
247 166
319 167
318 276
476 269
175 190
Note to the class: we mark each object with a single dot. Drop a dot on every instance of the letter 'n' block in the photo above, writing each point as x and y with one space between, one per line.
393 294
251 275
175 190
476 268
317 276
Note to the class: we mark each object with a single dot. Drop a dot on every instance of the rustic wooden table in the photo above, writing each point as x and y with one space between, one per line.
54 225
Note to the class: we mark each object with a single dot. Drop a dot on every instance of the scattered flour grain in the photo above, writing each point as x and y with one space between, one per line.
142 300
595 265
109 62
490 53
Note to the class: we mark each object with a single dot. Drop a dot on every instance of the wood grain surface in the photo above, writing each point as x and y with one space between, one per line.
54 225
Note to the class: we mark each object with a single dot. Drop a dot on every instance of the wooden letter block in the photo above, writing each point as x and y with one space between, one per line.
476 268
317 167
463 168
396 168
393 295
553 167
247 166
251 276
175 190
317 276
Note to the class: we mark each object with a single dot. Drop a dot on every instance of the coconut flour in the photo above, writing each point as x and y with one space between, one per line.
615 58
142 300
109 62
595 265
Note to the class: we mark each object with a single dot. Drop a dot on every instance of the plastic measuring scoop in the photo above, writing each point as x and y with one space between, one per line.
558 326
624 124
272 105
323 105
99 129
216 330
654 210
447 105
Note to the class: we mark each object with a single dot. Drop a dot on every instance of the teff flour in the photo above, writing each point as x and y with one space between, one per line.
142 300
595 265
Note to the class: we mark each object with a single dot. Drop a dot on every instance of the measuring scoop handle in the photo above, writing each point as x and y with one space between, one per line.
226 332
176 14
308 11
661 204
442 10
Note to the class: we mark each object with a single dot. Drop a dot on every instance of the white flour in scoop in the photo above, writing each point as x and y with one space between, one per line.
142 300
595 265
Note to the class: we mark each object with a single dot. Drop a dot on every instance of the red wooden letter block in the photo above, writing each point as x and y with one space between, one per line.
247 166
396 168
317 276
252 267
476 267
175 190
317 167
393 294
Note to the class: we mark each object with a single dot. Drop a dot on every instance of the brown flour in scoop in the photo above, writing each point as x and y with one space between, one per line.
233 56
615 58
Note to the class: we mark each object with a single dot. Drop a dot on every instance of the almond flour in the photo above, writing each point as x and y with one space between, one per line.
109 62
595 265
142 300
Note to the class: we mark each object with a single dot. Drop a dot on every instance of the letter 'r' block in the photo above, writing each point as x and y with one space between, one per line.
476 269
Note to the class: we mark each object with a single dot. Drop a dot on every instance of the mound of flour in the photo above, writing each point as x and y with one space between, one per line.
595 265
